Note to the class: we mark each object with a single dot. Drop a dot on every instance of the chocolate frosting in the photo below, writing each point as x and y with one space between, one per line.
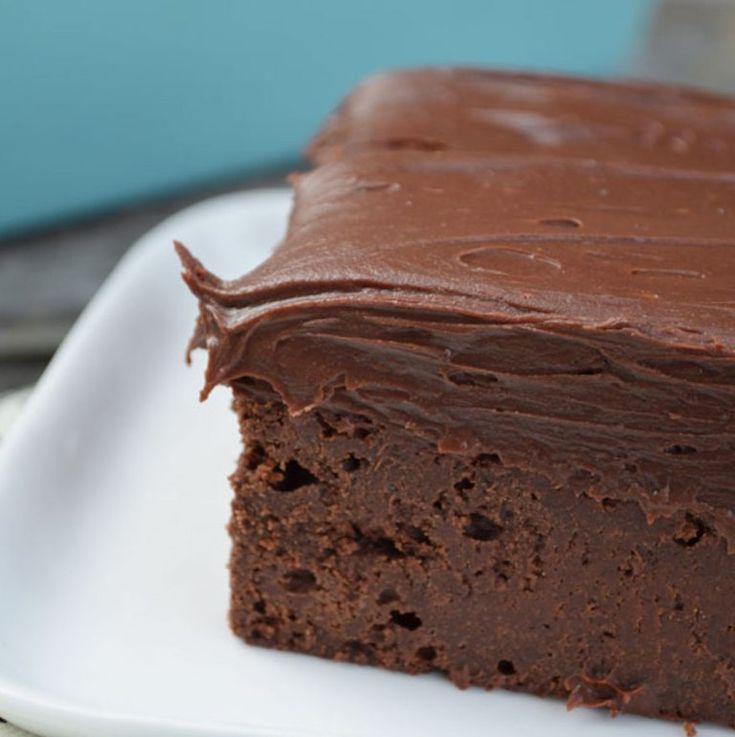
564 301
482 111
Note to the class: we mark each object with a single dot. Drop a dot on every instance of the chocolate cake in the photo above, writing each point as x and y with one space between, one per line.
486 391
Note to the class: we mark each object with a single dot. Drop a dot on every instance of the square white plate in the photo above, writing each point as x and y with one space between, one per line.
113 502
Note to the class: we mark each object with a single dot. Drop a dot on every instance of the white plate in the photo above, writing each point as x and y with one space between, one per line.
113 501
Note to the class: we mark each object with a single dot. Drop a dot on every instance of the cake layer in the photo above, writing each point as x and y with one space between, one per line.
345 548
490 111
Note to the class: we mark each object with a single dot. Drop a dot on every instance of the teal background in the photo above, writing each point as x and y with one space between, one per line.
105 102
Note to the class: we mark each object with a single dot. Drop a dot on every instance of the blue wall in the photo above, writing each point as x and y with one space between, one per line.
107 101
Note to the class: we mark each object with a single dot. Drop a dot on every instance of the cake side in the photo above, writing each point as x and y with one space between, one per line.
345 549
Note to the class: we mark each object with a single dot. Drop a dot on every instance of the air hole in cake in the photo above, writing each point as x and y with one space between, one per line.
387 596
481 528
506 667
299 581
384 546
561 222
417 534
487 459
328 430
690 531
351 463
376 544
463 484
608 503
294 476
259 606
426 653
680 450
407 620
255 456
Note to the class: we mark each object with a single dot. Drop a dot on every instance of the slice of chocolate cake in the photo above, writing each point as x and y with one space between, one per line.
486 389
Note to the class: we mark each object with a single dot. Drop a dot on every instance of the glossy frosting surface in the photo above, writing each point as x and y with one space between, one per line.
511 265
480 110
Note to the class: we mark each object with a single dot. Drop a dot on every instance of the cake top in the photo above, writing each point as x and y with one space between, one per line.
514 237
478 110
551 201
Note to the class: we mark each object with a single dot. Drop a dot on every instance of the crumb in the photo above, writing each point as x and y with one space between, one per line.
689 729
